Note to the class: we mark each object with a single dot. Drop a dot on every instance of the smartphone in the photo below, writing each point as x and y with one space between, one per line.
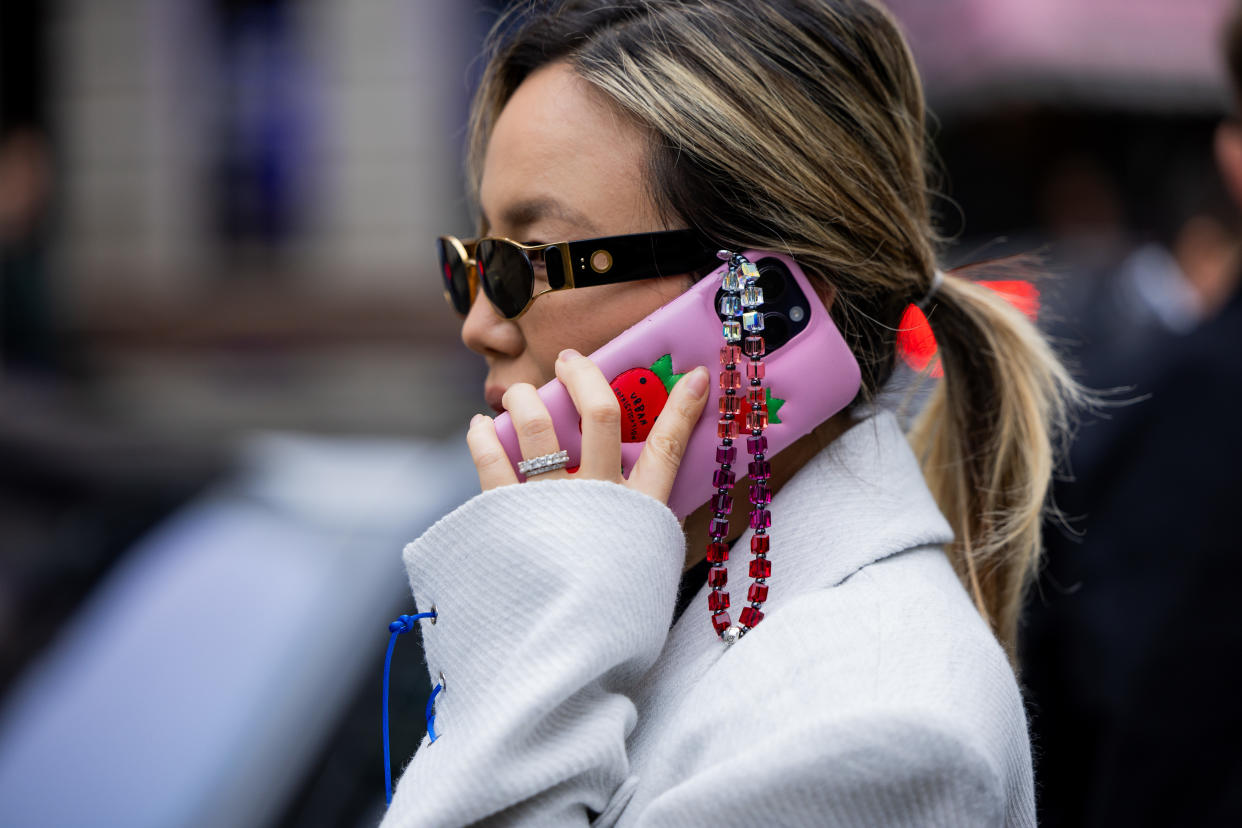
810 375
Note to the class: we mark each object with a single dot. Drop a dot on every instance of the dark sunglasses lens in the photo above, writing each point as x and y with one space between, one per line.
456 276
506 275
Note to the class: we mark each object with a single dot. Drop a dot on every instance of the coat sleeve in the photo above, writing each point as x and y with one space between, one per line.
553 598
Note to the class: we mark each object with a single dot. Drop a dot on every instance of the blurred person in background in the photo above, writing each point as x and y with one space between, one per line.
1130 642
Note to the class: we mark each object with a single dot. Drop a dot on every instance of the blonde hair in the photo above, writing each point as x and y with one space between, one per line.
798 125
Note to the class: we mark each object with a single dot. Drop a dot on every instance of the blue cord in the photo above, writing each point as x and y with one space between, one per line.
403 624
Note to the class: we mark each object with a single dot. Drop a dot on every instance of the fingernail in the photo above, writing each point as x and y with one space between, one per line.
696 383
475 420
569 354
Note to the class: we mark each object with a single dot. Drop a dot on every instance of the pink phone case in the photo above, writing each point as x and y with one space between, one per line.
810 378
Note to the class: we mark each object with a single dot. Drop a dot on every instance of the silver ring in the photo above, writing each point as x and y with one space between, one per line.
544 463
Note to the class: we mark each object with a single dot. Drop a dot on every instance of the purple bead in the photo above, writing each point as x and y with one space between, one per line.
760 494
719 527
722 479
726 454
759 469
760 519
757 445
722 503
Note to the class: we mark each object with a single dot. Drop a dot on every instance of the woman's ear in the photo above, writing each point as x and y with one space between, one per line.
827 293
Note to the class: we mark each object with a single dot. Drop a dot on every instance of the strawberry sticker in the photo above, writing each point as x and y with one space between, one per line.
642 396
642 393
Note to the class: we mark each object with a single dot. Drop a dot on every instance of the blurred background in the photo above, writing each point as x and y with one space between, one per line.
230 390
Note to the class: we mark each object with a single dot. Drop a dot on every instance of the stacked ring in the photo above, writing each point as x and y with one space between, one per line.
544 463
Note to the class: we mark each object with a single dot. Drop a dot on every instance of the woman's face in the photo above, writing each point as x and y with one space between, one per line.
562 165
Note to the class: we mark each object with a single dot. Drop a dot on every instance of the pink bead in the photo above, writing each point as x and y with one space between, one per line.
717 601
754 346
722 479
759 469
730 404
757 445
760 494
757 419
727 429
730 355
718 528
722 503
726 454
755 370
760 519
757 396
730 378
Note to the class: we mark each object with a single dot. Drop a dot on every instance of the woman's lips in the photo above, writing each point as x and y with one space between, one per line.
493 395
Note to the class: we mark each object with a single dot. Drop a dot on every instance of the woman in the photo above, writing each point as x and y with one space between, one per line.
877 690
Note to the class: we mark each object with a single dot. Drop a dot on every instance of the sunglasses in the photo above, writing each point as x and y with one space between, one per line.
509 271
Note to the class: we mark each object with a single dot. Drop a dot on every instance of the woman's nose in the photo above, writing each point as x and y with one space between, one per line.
487 333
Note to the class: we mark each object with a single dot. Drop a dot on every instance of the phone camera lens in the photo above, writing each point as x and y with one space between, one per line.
796 313
772 280
776 330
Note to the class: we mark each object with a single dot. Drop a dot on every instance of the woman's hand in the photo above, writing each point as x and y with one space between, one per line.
657 465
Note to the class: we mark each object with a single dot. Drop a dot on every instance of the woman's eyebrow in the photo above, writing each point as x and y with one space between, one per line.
521 214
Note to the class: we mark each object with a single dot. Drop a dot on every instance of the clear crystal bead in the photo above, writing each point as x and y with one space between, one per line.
752 296
752 321
749 272
731 282
732 331
730 305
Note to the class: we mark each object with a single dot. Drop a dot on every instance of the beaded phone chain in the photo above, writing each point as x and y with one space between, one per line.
740 307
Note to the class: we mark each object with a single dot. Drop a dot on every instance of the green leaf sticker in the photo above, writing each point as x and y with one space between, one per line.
663 368
774 405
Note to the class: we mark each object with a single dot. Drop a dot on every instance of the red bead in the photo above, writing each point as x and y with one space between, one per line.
754 346
757 396
757 418
717 576
722 503
760 543
719 527
717 601
760 519
759 469
730 404
755 370
730 378
757 592
721 622
760 568
727 429
726 454
750 617
717 552
722 479
730 355
760 494
757 445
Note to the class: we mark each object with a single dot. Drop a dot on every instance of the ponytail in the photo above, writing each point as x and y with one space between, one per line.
989 437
